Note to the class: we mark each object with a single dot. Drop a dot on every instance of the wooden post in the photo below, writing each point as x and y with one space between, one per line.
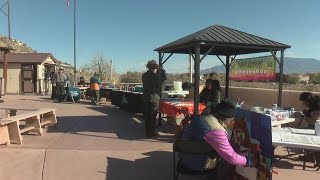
196 80
227 75
160 74
5 72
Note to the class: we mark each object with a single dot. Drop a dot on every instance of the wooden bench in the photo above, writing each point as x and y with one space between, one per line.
10 111
10 129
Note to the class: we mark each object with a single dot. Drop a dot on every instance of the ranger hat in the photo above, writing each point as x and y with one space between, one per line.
152 64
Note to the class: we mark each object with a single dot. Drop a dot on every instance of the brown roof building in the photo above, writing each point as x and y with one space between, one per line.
29 72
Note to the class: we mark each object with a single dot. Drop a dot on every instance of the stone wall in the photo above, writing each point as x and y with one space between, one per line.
266 97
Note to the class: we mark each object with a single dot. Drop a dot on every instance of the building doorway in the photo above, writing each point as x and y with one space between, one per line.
27 79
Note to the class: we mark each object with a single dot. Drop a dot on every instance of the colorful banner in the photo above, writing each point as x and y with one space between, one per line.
253 69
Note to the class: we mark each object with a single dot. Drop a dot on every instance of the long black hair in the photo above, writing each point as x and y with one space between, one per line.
215 85
309 99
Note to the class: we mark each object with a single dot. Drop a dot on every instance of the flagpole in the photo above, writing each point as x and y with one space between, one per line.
9 28
74 42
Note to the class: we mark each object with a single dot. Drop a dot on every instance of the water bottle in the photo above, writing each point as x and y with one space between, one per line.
274 107
317 128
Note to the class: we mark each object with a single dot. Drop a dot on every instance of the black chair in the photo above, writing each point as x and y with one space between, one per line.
192 147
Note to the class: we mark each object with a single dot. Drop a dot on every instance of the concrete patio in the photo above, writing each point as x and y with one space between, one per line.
99 143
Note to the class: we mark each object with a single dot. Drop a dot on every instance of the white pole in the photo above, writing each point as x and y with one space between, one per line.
190 68
111 71
74 42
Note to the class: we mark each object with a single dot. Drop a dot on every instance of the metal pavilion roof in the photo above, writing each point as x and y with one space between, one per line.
226 41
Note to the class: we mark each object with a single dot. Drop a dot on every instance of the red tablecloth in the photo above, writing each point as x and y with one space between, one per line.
175 108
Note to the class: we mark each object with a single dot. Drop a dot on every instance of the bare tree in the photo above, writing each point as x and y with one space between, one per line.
100 64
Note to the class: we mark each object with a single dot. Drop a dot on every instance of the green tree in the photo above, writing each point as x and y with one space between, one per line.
315 78
131 77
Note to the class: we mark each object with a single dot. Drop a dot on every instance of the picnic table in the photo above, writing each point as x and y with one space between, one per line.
83 91
281 122
296 138
303 139
174 107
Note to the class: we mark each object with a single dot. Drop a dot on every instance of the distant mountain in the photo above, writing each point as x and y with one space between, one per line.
291 65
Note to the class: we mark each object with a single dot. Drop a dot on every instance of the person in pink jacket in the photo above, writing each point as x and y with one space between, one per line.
211 127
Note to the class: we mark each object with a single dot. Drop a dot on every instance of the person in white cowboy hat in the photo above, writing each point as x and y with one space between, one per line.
151 94
59 80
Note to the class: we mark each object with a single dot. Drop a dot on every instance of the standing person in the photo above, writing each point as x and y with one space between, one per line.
59 80
151 93
54 86
95 82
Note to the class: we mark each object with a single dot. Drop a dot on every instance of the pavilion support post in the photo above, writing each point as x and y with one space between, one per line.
196 79
281 78
161 55
227 76
190 68
5 72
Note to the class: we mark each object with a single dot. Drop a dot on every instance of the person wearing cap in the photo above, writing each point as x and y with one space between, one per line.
59 80
151 94
211 127
95 83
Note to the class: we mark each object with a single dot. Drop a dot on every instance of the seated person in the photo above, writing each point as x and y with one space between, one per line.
315 115
206 93
217 94
304 119
212 93
82 82
212 128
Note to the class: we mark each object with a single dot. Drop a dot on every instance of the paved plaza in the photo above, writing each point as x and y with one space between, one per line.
100 143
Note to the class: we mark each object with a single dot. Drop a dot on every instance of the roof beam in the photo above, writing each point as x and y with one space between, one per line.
233 58
221 61
166 58
267 48
191 53
167 50
275 56
206 53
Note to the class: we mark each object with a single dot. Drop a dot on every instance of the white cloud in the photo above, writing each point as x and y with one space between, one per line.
290 54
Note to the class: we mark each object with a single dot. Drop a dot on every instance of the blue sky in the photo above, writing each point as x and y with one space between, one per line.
128 31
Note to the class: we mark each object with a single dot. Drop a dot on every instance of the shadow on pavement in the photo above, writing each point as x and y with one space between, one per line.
157 165
111 121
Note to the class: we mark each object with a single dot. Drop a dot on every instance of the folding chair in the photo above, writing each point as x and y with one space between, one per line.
73 93
192 147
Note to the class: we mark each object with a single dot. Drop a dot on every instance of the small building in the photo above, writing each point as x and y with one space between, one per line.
29 72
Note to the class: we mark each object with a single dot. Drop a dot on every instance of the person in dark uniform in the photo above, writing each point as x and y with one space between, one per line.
151 94
59 80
